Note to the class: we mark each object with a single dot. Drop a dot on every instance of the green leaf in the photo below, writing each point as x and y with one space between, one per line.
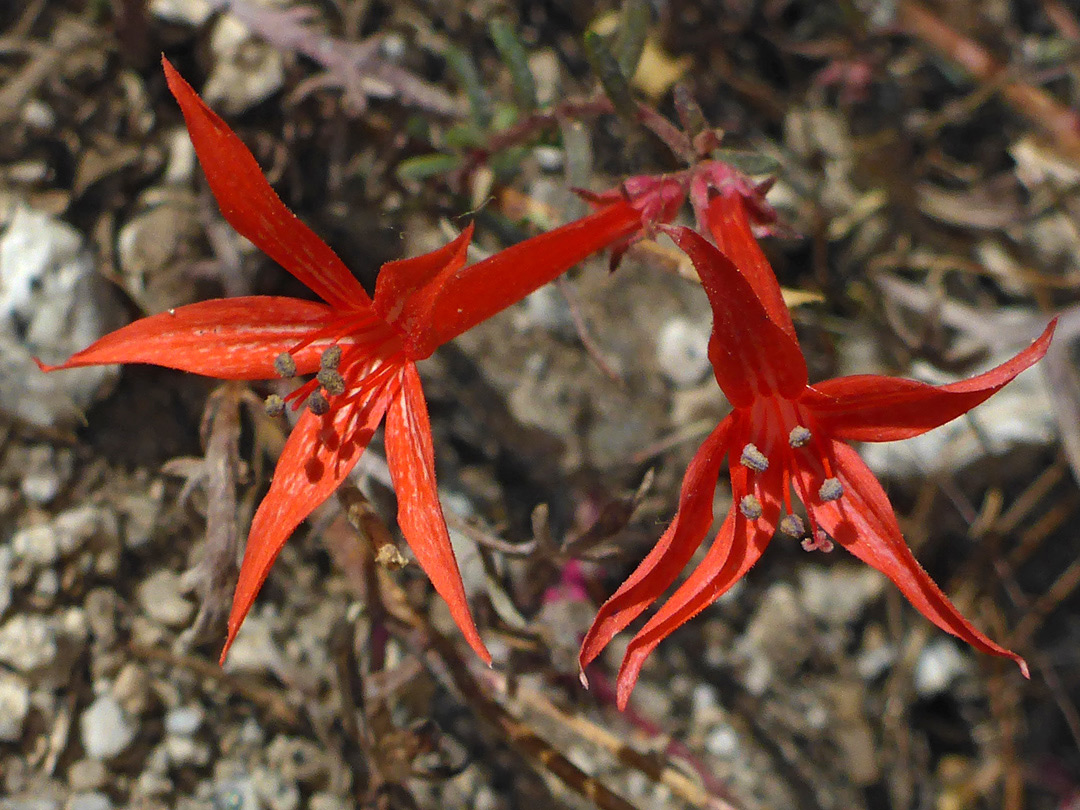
464 69
630 40
423 167
512 50
607 70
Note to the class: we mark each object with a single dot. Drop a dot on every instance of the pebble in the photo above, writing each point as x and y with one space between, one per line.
184 720
682 351
86 775
89 801
14 706
838 595
105 728
162 597
940 663
28 642
6 555
47 470
38 546
236 794
29 804
275 791
52 303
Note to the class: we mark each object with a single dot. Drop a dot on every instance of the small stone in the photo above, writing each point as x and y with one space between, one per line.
162 597
275 791
86 775
5 578
682 351
89 801
46 473
184 720
723 742
105 728
14 707
940 664
28 642
38 546
132 689
186 751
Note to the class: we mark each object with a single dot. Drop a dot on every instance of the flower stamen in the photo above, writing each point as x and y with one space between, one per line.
792 525
317 403
799 436
274 405
285 365
753 458
331 358
331 380
831 490
750 506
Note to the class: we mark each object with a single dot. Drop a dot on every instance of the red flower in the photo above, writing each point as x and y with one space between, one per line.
784 433
363 350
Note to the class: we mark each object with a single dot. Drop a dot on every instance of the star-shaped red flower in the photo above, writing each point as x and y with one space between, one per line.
784 434
362 349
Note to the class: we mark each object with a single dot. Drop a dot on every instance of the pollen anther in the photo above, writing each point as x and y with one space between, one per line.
284 365
831 490
331 358
792 525
317 403
753 458
275 405
799 436
331 380
750 506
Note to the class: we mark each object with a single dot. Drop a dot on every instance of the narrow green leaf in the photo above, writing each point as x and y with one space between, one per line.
423 167
607 70
630 40
464 69
512 51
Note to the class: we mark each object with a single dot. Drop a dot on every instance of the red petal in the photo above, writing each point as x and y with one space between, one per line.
869 408
751 355
863 522
405 288
227 338
730 226
318 456
734 551
249 204
411 458
670 554
475 293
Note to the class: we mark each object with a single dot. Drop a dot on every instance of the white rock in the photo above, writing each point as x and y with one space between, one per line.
37 546
191 12
940 663
276 792
14 706
184 720
161 596
46 472
246 70
105 728
52 303
89 801
6 555
28 642
682 351
838 594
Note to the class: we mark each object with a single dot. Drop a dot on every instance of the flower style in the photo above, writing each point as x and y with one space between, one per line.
784 433
362 350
